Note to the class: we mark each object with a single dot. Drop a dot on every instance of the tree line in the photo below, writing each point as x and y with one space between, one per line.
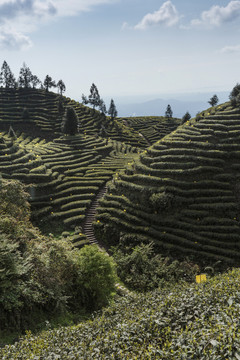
95 100
70 121
27 79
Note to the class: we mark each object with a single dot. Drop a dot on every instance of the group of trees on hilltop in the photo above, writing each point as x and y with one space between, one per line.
27 80
95 100
70 120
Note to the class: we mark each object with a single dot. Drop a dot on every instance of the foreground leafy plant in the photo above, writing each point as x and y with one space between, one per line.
187 322
42 275
142 270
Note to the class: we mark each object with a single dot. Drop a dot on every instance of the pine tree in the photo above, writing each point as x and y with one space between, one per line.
70 122
169 112
214 100
35 81
84 99
48 83
25 77
61 87
186 117
94 97
102 107
112 111
7 78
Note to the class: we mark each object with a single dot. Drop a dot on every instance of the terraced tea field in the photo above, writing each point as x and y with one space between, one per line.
40 113
183 192
64 175
152 128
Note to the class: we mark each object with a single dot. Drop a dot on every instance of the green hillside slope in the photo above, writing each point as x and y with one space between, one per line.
188 322
183 192
152 128
40 113
65 174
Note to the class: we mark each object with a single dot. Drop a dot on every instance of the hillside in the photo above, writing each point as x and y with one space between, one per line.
40 113
66 174
187 322
182 193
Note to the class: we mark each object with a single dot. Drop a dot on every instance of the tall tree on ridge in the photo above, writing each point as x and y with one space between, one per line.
186 117
61 87
84 99
35 81
214 100
48 83
25 77
112 111
94 97
169 112
7 78
102 107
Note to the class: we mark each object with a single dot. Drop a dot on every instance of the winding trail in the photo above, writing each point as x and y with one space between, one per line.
90 215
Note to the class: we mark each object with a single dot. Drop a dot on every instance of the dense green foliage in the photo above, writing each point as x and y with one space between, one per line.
39 272
187 322
142 270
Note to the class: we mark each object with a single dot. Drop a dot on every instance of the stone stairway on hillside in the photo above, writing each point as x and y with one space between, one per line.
91 212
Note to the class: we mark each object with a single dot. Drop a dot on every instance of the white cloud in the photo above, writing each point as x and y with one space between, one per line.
230 49
17 8
218 15
73 7
25 16
125 26
13 40
167 15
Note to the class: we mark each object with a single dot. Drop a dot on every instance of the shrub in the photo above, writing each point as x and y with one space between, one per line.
234 95
38 272
95 279
70 122
142 270
161 201
13 269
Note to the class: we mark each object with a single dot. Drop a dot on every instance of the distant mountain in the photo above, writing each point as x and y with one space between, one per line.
193 103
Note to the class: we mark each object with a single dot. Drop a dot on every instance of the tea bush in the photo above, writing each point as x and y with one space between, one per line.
186 322
142 270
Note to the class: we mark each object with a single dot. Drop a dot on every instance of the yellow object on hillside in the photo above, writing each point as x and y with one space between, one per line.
201 278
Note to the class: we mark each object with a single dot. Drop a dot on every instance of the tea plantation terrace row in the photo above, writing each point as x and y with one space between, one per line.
182 193
66 174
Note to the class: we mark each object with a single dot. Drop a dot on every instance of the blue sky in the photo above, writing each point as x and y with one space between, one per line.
126 47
